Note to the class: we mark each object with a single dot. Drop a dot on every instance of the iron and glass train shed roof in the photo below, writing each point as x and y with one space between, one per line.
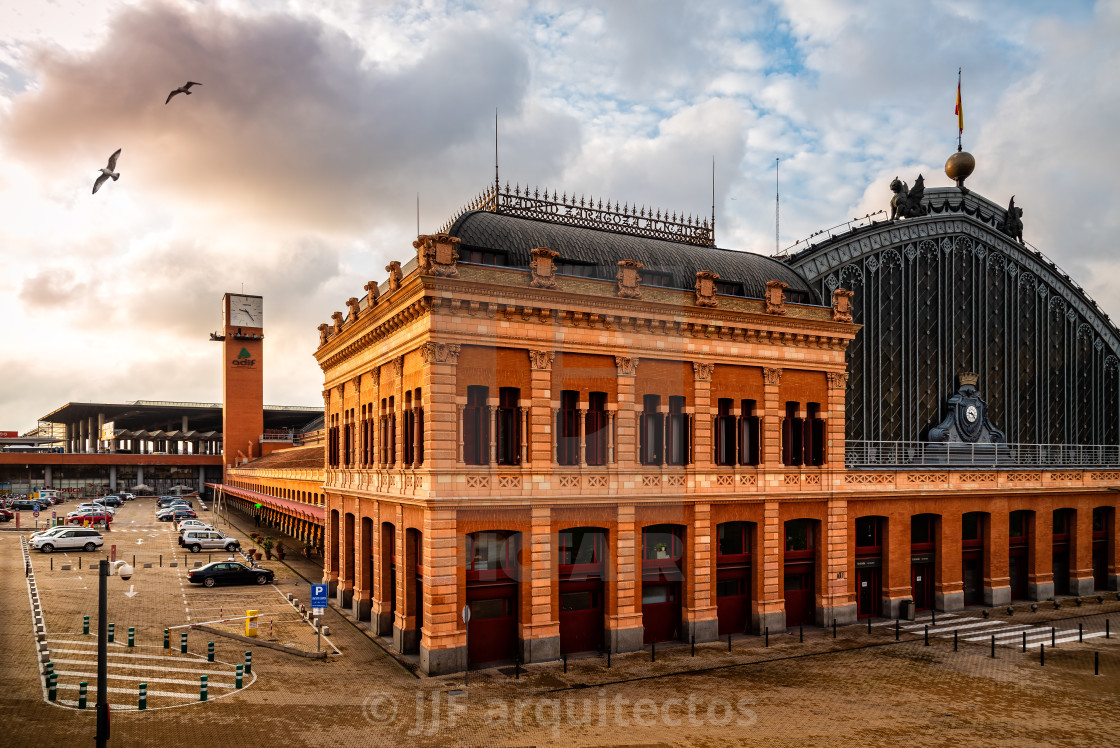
149 415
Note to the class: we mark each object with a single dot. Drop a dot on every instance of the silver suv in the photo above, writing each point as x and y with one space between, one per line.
84 538
196 540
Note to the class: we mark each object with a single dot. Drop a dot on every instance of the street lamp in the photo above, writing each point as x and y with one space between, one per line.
124 570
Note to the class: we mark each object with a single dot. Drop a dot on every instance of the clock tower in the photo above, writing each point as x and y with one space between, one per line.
242 377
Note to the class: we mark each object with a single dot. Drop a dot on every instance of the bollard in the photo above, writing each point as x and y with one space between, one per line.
166 639
767 636
112 631
248 663
48 669
52 563
927 634
210 652
202 688
653 651
993 646
132 636
869 624
565 659
728 643
1024 641
1096 663
82 694
517 666
183 642
801 634
955 640
1053 641
52 687
608 661
1081 632
239 674
833 628
161 560
897 629
1106 629
85 624
694 644
1041 653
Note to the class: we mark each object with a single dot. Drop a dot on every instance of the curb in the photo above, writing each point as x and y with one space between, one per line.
257 642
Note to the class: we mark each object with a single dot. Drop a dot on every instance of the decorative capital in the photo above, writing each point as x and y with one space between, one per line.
398 366
706 288
541 360
352 304
842 305
776 297
837 380
771 375
395 275
436 254
702 371
341 391
441 353
326 398
543 267
627 365
337 317
372 293
629 280
323 334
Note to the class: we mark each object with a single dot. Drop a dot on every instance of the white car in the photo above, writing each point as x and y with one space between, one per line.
90 505
194 524
51 531
71 538
196 540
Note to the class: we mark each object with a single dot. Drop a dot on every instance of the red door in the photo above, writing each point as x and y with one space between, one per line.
799 596
661 610
492 631
868 592
581 616
733 600
921 580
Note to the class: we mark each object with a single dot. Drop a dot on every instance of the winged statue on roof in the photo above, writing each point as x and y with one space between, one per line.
907 203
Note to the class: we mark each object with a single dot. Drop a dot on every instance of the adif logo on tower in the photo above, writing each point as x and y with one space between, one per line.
244 359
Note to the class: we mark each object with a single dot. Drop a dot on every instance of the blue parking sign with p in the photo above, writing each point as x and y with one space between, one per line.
318 596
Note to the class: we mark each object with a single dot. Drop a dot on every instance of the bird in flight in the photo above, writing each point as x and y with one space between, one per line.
108 172
185 88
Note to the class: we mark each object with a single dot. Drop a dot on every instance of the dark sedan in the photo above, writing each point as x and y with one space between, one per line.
229 572
26 504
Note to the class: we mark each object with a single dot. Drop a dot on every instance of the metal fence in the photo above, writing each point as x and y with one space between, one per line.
887 454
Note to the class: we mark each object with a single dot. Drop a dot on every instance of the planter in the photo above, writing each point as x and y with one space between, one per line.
268 555
280 556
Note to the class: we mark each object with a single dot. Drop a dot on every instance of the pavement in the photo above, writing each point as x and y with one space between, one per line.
862 687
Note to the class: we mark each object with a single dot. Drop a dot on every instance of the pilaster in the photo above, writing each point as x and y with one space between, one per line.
624 619
701 619
769 607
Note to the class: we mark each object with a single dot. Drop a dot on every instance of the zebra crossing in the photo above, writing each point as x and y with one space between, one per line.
1006 632
173 679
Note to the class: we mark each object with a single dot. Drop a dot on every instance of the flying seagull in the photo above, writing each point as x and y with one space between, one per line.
186 88
108 172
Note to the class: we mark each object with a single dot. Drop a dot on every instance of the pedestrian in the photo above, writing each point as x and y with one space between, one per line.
257 520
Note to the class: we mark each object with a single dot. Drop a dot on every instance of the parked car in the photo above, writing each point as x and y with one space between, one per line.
21 505
49 531
229 572
128 496
95 506
5 515
196 540
75 537
93 519
111 500
193 524
175 515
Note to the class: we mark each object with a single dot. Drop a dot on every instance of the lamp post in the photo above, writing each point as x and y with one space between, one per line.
104 570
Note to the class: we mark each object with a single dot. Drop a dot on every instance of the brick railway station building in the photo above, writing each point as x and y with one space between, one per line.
598 430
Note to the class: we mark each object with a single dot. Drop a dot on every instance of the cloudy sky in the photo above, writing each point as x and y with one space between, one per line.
293 171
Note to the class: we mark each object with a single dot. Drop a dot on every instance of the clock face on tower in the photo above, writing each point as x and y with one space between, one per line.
246 311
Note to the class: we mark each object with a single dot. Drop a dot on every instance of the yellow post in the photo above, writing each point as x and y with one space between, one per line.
250 623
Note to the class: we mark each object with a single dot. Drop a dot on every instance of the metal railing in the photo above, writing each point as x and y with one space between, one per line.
884 454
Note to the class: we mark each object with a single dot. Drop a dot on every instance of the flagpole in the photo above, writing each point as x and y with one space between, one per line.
960 114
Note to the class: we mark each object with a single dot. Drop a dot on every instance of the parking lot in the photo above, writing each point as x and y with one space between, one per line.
862 687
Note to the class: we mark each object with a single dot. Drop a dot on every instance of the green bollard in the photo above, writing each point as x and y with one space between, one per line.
82 694
166 639
248 663
202 688
183 643
112 631
132 636
52 687
210 652
85 625
48 670
238 676
143 696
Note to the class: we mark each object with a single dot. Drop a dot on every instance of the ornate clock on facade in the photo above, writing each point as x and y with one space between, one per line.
246 311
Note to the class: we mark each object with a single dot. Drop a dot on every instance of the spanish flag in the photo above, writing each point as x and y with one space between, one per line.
960 110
